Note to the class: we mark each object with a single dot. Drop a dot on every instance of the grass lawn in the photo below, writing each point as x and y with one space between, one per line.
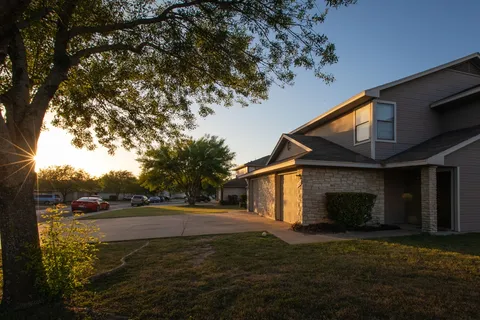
247 276
152 210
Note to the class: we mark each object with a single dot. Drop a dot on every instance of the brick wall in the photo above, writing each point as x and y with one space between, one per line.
317 181
263 195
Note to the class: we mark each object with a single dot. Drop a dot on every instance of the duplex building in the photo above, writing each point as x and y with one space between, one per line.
413 142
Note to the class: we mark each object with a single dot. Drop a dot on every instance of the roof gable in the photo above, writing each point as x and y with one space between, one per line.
325 150
282 143
318 148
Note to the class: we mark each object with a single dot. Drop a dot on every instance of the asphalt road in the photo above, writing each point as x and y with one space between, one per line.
114 205
67 212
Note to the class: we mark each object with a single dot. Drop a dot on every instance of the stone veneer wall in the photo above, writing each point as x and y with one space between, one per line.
264 197
317 181
429 199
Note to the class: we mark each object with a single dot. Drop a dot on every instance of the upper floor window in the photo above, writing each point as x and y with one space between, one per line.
362 124
385 121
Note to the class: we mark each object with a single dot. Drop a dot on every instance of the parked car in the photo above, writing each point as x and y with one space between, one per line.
138 200
47 199
103 204
127 198
87 204
200 198
155 199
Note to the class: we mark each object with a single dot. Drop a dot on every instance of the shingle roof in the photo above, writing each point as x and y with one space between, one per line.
235 183
325 150
258 162
435 145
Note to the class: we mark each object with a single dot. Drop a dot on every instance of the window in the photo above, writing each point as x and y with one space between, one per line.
362 124
385 117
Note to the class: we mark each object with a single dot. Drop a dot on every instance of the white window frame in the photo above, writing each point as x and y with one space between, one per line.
354 114
374 120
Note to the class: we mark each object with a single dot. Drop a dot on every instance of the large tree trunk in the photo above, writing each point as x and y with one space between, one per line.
23 275
191 201
20 123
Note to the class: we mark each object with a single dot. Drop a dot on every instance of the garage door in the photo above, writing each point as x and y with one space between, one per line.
289 198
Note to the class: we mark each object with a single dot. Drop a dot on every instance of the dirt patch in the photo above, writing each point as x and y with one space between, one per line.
202 253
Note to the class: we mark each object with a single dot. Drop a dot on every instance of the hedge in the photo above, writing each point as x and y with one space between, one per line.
350 208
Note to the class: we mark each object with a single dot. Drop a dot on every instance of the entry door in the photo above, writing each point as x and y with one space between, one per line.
444 199
289 199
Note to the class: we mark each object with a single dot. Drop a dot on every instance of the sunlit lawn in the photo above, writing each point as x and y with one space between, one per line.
152 210
247 276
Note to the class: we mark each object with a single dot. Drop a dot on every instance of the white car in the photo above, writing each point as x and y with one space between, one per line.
139 200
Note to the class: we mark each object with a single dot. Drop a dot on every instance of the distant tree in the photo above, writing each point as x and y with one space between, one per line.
90 185
187 165
121 181
210 189
64 179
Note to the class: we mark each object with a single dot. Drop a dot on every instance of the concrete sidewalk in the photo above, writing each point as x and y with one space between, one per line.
206 224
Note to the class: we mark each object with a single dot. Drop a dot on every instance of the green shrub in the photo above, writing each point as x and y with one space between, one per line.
321 227
69 250
350 208
243 201
297 226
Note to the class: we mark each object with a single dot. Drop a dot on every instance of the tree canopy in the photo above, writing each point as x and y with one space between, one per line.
121 181
131 72
187 165
64 179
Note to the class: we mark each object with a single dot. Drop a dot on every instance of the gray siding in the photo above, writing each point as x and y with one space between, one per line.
468 159
285 153
416 121
461 115
468 67
230 192
340 131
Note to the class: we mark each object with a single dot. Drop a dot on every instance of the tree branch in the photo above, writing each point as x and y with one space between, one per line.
146 21
61 61
35 16
75 58
19 93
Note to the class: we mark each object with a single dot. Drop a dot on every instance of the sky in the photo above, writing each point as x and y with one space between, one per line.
377 41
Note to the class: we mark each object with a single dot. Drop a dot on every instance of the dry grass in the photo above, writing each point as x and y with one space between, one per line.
250 276
247 276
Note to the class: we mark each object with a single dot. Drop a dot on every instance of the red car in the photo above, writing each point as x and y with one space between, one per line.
88 204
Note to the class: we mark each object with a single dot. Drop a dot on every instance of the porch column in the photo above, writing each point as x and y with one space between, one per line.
249 194
429 199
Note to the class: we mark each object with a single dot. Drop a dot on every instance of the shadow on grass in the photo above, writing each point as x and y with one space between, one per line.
260 277
461 243
46 311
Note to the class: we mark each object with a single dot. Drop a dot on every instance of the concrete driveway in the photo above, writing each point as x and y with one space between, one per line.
184 225
204 224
